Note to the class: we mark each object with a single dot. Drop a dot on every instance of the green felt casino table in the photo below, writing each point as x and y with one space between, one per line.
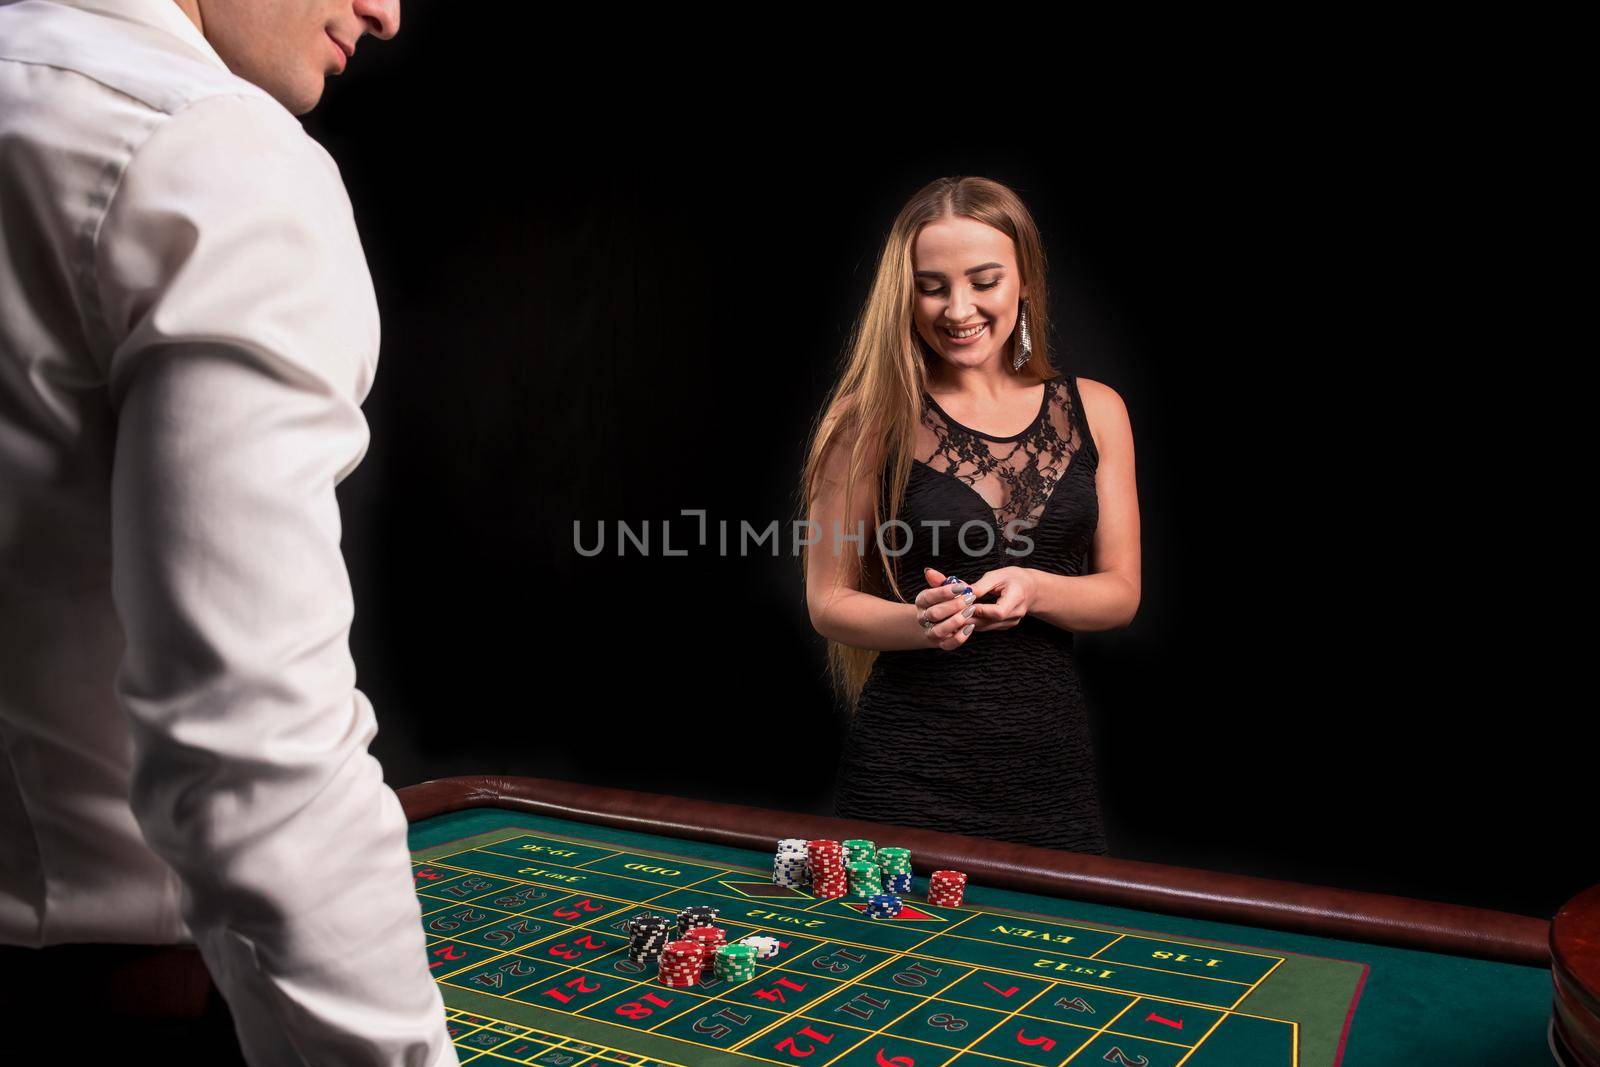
524 886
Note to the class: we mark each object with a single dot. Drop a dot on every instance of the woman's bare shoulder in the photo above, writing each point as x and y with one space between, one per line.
1103 409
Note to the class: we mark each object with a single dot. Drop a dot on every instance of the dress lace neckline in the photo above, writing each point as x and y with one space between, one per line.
1044 406
1020 471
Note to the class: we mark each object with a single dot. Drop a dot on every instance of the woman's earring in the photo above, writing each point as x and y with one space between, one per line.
1026 348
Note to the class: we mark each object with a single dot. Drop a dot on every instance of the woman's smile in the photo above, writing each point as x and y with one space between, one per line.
966 335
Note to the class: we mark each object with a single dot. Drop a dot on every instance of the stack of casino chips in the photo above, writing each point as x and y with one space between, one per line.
696 915
711 938
791 865
766 947
647 936
858 850
735 963
883 906
945 888
865 879
828 878
681 963
895 863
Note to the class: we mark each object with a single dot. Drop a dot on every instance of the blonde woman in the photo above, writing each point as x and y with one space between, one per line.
1016 523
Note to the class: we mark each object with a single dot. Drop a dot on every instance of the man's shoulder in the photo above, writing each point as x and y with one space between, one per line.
83 92
137 61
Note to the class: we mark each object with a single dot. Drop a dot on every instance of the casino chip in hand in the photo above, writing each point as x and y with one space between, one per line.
942 607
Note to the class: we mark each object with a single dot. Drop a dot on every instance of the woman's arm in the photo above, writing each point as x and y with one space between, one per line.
844 613
1108 597
1091 602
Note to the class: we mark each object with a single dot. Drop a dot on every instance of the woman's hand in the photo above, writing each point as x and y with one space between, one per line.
1016 586
948 608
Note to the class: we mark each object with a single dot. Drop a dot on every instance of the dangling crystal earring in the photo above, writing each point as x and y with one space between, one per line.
1026 348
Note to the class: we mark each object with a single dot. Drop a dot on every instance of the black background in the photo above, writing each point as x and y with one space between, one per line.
615 288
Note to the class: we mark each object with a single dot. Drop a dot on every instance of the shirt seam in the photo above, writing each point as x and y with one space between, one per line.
88 269
108 87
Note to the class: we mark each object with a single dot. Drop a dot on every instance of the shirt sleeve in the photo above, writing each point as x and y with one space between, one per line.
232 285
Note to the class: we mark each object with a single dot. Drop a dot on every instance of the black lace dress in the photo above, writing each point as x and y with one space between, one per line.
991 739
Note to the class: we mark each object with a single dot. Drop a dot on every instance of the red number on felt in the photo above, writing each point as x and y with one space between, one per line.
562 952
1002 992
776 992
895 1061
575 909
448 952
636 1010
1041 1042
1176 1024
788 1044
580 983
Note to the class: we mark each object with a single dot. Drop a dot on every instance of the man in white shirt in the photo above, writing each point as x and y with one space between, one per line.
187 330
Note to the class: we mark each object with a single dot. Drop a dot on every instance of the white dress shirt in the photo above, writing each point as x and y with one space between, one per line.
187 330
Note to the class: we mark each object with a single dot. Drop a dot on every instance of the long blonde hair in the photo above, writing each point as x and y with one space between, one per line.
877 402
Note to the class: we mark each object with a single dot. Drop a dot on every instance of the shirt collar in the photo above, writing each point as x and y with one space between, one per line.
164 15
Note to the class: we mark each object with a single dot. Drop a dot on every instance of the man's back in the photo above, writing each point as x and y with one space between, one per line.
187 329
76 96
